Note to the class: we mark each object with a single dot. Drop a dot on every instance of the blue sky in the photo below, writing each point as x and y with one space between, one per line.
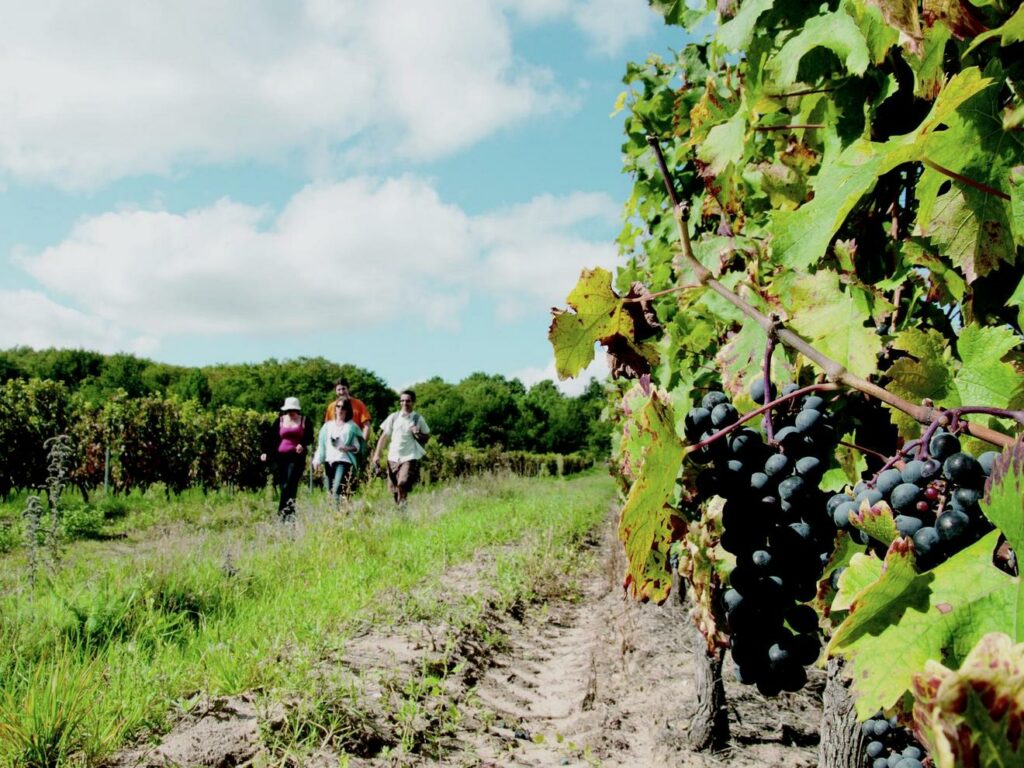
408 187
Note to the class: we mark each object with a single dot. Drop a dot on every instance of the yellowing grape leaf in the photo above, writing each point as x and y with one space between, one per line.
863 571
648 524
903 619
601 315
833 321
972 716
876 521
926 374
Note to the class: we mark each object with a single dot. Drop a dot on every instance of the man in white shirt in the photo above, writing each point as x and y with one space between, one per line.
407 432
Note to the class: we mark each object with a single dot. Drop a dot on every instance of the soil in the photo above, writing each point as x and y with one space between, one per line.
595 681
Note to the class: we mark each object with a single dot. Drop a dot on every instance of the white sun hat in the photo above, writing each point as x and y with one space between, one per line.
291 404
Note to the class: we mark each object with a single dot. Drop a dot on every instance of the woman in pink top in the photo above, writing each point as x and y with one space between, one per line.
286 444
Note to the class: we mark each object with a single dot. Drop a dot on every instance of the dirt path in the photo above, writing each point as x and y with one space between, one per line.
599 681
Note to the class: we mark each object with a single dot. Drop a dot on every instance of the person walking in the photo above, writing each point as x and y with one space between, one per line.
285 444
404 432
339 446
360 413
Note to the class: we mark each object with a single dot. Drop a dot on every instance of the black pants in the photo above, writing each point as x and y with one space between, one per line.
289 474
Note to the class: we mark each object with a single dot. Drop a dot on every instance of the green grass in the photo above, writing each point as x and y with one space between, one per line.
251 604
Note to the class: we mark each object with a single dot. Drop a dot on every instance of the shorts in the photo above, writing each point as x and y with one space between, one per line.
403 474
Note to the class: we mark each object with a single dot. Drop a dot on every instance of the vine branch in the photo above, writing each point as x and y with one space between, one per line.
834 371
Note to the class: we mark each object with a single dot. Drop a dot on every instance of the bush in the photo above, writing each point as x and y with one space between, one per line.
83 522
10 536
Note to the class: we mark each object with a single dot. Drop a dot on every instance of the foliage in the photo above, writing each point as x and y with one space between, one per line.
827 192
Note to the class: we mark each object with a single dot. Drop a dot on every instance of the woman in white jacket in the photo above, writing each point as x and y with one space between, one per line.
338 447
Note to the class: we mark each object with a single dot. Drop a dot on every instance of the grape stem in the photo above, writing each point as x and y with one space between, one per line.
892 461
758 411
834 371
862 449
965 180
769 393
794 127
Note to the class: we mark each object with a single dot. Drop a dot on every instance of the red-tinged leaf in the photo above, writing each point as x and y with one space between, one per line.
973 716
648 524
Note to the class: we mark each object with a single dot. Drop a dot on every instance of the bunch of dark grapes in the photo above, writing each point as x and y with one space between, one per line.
934 500
772 523
889 745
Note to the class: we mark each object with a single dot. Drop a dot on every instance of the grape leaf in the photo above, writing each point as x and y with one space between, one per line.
850 465
876 521
1012 31
648 524
737 33
601 315
926 374
901 15
1004 490
724 144
1017 203
971 225
904 618
801 237
929 72
833 322
879 33
836 31
972 228
972 716
863 571
984 379
1017 300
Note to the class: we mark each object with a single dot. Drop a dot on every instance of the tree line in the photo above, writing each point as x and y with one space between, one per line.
193 426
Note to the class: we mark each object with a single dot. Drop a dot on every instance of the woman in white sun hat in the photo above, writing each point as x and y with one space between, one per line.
286 444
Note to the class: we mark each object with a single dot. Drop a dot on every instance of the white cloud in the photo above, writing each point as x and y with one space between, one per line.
608 25
573 387
356 253
97 91
29 318
533 252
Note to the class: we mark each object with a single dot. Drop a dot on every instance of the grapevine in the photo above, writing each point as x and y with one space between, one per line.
832 196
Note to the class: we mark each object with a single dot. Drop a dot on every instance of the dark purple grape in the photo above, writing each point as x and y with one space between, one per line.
943 445
952 524
907 525
966 498
925 541
723 415
888 480
807 421
841 517
810 467
930 470
912 471
696 423
872 496
986 460
759 481
792 488
714 398
757 391
732 599
963 469
904 496
762 559
777 465
813 403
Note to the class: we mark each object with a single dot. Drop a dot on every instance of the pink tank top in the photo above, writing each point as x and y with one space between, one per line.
290 436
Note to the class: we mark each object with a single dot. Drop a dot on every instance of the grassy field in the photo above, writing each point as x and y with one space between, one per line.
211 595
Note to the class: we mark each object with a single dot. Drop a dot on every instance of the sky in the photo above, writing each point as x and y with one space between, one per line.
407 187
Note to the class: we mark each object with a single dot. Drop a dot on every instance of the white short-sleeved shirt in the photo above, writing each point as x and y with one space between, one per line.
403 446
